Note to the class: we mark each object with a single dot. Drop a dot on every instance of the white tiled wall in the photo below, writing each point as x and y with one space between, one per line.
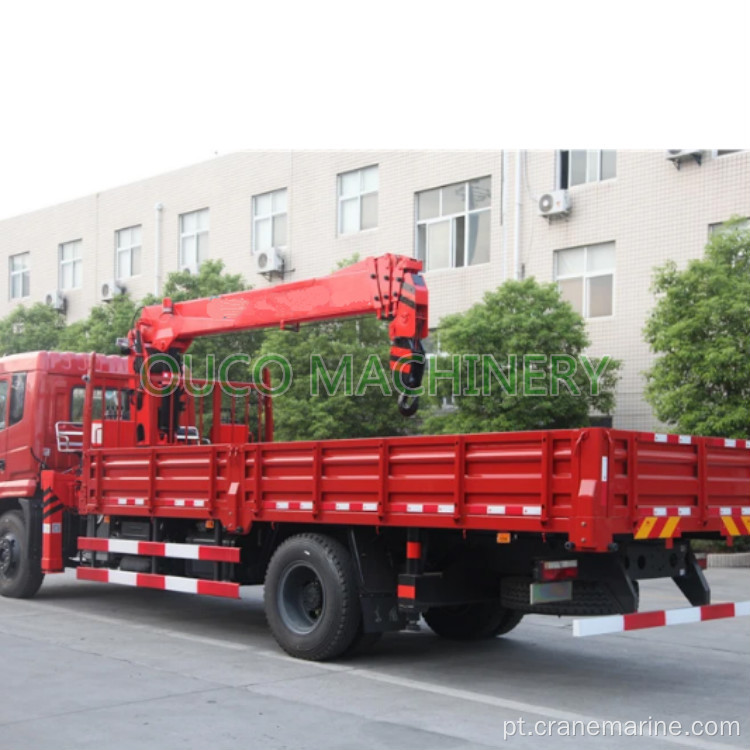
651 211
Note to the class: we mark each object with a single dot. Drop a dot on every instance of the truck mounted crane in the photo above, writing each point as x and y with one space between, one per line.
185 490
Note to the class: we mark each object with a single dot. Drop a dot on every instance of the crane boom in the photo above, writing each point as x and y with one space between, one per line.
388 286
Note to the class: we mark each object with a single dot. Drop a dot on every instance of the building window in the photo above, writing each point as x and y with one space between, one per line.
728 226
578 167
358 200
19 275
193 238
453 224
585 276
128 244
269 220
71 265
437 358
725 151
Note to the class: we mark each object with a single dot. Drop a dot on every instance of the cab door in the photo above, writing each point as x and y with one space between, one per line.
19 432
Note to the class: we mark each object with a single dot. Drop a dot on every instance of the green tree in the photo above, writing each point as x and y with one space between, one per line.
555 389
30 329
99 332
700 327
341 384
211 281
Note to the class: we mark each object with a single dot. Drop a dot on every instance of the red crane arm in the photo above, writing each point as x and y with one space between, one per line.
389 286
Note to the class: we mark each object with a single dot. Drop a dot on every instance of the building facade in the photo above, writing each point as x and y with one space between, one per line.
607 218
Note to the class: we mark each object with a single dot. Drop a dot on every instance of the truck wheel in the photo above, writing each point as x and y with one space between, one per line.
472 622
311 598
20 576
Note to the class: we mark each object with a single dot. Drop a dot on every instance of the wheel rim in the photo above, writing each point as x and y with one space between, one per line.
301 598
8 555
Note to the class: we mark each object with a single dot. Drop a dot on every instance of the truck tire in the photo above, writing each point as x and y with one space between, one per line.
472 622
20 576
311 597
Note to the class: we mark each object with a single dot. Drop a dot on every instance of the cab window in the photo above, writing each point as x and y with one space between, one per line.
3 402
17 397
111 410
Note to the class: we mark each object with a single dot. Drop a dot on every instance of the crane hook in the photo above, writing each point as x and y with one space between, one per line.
408 405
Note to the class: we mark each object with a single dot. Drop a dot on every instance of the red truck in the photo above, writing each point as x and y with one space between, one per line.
132 473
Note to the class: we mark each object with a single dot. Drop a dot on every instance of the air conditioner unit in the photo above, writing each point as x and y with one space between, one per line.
269 261
55 299
191 268
555 203
109 290
678 155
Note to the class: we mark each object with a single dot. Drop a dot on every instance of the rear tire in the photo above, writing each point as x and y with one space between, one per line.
472 622
311 598
20 576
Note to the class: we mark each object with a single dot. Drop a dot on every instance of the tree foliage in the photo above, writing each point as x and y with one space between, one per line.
211 281
357 406
99 332
522 319
30 329
700 327
39 327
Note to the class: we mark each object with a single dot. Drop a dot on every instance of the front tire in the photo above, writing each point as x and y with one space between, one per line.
311 598
20 576
472 622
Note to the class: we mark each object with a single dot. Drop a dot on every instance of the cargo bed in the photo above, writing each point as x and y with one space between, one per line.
593 485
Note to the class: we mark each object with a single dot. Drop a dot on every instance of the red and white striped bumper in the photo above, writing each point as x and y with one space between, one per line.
658 618
203 552
162 583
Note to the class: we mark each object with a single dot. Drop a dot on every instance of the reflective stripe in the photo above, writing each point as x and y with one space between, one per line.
660 618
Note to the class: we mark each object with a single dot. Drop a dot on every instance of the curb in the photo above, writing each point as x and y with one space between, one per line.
729 560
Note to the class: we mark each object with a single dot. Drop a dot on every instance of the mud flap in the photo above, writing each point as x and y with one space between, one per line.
31 507
377 583
693 583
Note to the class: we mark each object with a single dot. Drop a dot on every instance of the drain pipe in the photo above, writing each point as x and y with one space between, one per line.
504 212
158 208
517 228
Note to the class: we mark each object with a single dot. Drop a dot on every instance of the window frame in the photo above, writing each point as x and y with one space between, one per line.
719 227
466 214
198 232
23 273
78 394
75 262
128 249
586 275
4 402
272 215
561 183
18 385
340 199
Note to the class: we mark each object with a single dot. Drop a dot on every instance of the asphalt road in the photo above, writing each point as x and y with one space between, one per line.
87 665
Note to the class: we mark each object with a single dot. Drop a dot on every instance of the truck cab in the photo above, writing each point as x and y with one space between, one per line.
38 390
